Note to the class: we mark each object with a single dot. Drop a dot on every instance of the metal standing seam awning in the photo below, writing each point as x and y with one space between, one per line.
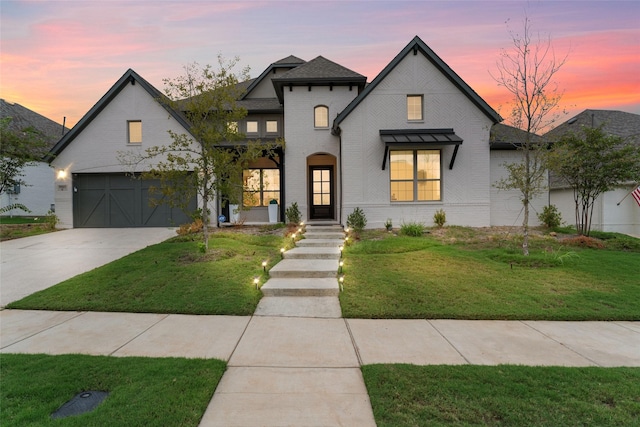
419 138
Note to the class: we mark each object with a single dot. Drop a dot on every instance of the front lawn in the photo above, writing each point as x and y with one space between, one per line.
24 226
408 395
142 391
171 277
460 273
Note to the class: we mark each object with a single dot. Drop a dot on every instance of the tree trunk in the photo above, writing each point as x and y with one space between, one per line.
205 220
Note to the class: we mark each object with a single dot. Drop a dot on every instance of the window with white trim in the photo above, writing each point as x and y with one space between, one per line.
415 175
321 116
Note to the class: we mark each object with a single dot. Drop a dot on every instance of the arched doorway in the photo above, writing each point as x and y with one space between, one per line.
321 180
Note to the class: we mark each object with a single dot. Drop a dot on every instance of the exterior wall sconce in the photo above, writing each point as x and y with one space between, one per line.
61 174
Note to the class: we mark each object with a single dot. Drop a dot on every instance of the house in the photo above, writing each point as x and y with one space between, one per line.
414 140
36 192
614 210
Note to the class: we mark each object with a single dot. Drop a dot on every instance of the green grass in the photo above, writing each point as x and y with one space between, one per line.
407 395
143 391
23 220
463 275
170 277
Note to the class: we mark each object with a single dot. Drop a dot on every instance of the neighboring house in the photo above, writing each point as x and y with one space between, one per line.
415 140
37 192
610 212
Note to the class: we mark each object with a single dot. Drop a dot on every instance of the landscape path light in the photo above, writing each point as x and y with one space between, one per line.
256 280
264 265
341 280
341 264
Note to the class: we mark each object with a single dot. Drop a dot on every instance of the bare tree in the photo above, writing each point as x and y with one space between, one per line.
527 72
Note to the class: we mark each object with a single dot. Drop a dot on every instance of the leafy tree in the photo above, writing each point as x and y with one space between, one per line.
18 148
208 161
591 163
527 72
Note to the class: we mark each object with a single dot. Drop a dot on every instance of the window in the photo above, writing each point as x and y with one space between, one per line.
415 175
321 116
260 186
414 107
252 126
272 126
135 132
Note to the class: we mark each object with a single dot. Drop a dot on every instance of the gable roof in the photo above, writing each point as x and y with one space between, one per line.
23 118
129 77
288 62
619 123
417 45
318 71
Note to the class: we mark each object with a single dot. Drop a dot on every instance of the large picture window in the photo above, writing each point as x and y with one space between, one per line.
415 175
260 187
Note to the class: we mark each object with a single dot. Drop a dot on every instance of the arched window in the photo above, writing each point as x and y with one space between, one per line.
321 116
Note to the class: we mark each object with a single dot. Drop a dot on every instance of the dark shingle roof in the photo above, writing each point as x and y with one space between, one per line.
619 123
260 105
23 118
318 71
505 137
290 60
414 46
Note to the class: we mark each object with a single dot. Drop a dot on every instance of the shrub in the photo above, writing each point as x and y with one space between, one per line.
388 224
440 217
584 242
357 220
413 229
293 213
52 220
550 216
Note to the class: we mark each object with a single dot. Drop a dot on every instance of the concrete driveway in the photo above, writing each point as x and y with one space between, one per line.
34 263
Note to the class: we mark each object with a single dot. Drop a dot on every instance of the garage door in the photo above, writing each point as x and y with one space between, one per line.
117 200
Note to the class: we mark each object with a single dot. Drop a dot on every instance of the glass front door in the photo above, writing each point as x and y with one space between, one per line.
321 192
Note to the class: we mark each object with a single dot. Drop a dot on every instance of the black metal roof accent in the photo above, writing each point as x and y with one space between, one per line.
129 77
318 72
418 45
418 138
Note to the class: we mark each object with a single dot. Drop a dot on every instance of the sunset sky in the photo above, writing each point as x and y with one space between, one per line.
59 57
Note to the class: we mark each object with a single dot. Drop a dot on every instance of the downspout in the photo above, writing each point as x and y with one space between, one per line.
340 169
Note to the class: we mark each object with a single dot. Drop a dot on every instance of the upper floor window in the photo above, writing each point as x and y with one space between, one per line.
135 131
415 175
321 116
414 107
272 126
252 126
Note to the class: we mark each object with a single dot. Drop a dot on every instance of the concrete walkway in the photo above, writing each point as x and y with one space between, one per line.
289 369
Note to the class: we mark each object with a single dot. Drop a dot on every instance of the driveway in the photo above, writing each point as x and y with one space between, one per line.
34 263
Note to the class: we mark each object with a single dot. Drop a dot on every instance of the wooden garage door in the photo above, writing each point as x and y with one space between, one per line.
117 200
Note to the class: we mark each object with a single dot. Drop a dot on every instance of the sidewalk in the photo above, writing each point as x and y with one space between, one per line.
308 368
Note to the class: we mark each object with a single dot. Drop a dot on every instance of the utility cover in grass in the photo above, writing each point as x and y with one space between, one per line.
81 403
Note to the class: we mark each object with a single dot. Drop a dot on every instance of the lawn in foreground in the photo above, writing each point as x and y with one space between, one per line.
408 395
170 277
143 391
389 276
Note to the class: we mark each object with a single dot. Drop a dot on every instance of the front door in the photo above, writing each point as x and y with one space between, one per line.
321 192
